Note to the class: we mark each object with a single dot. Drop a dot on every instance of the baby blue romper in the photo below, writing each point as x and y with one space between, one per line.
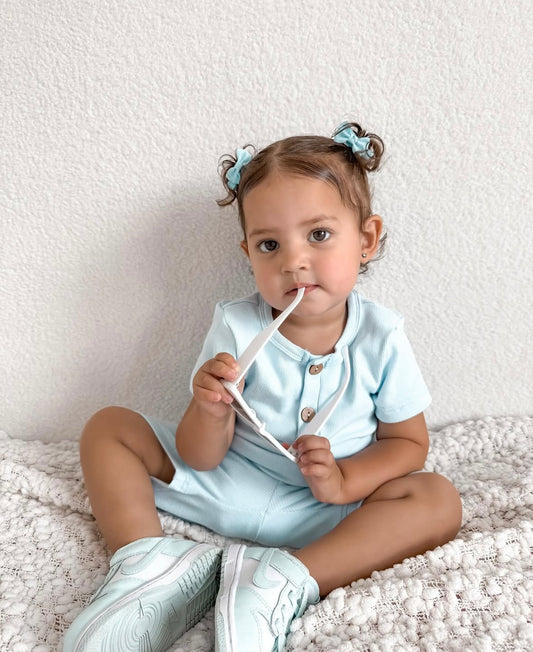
256 493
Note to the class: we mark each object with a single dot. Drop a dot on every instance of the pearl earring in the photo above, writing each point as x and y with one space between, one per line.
364 255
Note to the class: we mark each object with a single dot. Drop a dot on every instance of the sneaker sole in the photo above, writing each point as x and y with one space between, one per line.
154 616
229 581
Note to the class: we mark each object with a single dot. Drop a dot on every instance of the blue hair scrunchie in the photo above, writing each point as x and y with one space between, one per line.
358 144
233 175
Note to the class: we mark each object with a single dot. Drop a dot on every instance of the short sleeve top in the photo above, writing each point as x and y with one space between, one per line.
287 383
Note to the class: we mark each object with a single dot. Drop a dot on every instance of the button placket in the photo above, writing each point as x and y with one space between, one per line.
311 390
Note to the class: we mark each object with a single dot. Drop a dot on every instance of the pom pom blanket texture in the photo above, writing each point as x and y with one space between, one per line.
473 593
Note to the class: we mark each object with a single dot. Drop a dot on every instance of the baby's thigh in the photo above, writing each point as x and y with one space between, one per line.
433 497
421 486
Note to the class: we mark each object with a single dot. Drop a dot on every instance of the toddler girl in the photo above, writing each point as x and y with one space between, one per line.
337 382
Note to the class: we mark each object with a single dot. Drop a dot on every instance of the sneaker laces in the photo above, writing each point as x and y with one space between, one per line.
298 600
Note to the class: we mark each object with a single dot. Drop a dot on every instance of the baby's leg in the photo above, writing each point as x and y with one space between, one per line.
263 589
119 452
157 587
404 517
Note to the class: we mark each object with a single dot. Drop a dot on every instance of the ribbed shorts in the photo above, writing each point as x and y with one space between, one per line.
238 499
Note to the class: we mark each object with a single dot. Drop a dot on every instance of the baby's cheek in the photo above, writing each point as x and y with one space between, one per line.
343 275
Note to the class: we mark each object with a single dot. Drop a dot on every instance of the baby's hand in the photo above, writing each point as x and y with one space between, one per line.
207 388
319 467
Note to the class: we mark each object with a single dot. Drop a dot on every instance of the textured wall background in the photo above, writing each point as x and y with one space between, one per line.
113 250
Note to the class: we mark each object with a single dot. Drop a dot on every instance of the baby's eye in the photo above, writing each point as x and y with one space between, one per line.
268 245
319 235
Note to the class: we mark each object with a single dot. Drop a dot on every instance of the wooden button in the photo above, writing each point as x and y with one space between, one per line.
307 414
315 369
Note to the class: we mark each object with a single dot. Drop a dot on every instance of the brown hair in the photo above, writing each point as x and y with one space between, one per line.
311 156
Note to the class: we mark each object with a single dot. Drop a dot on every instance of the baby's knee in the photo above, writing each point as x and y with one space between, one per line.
104 425
443 503
117 431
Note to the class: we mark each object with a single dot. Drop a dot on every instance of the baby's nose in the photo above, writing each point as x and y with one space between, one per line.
294 259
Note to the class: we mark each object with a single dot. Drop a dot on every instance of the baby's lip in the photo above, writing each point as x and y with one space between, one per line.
308 288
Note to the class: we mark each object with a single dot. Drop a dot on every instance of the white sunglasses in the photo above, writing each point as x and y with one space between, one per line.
245 362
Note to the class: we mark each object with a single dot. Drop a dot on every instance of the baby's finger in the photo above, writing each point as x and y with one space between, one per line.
227 358
315 470
207 387
320 456
207 395
311 442
223 366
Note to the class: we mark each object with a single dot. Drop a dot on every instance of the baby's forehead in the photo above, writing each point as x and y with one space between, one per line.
293 201
279 187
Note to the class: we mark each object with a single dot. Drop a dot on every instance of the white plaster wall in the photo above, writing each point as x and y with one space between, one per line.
113 250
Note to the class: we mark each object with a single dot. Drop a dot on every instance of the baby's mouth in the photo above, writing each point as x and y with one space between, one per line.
308 288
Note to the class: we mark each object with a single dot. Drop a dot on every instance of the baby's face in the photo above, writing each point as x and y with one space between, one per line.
300 233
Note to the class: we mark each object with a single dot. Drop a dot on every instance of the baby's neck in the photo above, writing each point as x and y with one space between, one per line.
318 335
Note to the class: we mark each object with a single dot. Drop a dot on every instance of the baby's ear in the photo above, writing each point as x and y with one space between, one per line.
244 247
371 233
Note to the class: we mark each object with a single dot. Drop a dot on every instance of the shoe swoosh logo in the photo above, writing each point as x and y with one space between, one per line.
261 579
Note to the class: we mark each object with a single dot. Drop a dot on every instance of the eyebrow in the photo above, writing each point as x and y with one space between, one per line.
317 219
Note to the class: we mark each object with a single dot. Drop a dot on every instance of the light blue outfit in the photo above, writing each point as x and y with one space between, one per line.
256 493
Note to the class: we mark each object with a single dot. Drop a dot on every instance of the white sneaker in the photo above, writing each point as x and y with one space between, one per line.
261 591
156 589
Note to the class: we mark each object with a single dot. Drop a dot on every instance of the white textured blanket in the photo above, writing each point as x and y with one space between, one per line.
474 593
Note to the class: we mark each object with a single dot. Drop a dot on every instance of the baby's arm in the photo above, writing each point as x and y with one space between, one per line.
399 449
206 430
